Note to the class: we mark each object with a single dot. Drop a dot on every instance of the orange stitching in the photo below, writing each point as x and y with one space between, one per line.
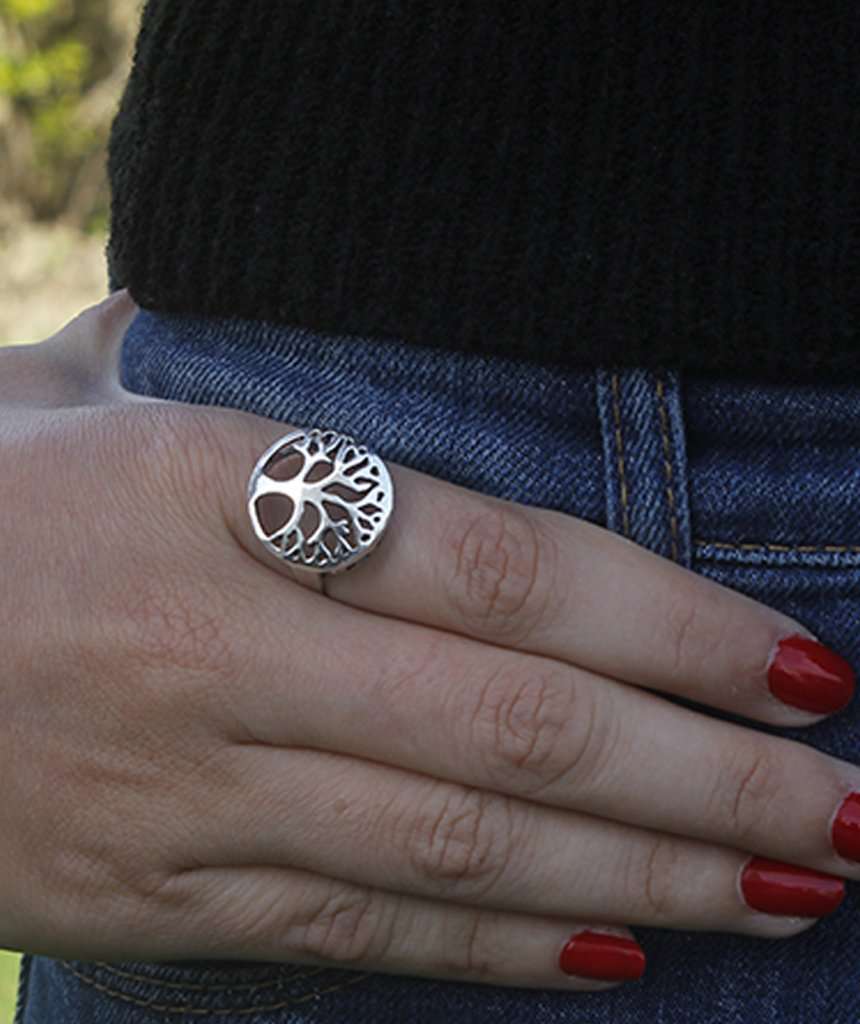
619 447
276 979
220 1011
667 465
764 545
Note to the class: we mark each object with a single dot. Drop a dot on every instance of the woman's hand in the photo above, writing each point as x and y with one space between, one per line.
449 766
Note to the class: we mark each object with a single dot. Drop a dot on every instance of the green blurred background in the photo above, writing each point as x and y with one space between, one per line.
63 64
8 983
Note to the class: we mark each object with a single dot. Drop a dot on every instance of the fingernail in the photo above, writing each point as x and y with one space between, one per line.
846 828
776 888
602 957
808 675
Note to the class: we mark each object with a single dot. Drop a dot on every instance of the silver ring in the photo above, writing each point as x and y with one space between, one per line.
319 501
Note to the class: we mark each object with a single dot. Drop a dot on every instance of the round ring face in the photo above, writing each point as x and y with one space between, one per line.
319 500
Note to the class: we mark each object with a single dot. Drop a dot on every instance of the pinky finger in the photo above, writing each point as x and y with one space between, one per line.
282 915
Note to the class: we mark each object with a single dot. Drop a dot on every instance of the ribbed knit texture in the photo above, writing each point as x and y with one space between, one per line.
583 182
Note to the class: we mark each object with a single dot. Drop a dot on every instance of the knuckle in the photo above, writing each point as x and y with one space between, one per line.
461 839
748 787
696 626
477 958
501 575
347 925
652 878
469 948
681 623
532 730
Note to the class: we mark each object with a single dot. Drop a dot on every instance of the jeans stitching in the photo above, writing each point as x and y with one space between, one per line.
768 546
667 466
619 447
188 987
217 1011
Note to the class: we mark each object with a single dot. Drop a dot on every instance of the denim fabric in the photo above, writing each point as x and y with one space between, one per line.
756 486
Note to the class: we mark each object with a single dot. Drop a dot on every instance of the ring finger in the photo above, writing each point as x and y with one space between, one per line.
386 828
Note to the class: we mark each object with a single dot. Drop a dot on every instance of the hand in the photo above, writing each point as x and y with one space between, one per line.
447 767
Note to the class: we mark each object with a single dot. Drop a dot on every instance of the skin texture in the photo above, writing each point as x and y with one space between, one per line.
204 758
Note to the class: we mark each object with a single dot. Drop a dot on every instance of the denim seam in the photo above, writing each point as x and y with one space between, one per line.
211 1011
766 545
619 447
275 979
668 456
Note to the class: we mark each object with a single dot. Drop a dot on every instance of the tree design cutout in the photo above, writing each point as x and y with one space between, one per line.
319 499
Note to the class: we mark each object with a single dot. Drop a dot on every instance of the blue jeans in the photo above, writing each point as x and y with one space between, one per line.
755 485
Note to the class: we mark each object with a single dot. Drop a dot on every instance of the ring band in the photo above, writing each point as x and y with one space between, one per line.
319 501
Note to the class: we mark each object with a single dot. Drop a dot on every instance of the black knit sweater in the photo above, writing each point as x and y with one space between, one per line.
661 183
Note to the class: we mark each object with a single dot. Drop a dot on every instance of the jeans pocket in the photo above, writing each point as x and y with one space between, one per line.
218 990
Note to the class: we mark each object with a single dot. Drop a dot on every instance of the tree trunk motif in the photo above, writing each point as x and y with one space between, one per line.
320 500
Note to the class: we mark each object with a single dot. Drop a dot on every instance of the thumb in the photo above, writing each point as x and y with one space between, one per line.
72 366
84 355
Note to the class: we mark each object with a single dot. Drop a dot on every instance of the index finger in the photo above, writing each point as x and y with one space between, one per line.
546 583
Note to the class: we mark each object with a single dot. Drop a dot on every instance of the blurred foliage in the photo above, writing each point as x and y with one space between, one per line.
8 985
62 67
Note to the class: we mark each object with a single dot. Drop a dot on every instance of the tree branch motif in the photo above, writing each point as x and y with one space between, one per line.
339 497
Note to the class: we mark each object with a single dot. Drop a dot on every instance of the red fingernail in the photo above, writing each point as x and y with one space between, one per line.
776 888
808 675
603 957
846 828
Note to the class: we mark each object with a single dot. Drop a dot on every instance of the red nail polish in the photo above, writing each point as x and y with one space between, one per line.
846 828
776 888
603 957
808 675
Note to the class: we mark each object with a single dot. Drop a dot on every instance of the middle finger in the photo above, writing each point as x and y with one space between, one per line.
453 708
